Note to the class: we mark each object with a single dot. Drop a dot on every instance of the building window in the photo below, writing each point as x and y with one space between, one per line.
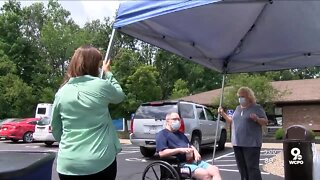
275 119
278 115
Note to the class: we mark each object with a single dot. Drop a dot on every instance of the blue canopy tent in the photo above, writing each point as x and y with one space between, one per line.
228 36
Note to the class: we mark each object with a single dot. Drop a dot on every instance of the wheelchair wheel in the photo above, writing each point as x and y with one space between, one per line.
160 170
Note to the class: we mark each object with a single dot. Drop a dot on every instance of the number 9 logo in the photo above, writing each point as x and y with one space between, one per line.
295 152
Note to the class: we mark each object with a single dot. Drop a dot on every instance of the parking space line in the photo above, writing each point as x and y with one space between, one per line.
225 165
132 148
127 152
227 161
223 156
230 170
220 160
26 151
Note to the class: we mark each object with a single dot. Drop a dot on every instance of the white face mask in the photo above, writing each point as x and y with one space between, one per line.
242 100
175 125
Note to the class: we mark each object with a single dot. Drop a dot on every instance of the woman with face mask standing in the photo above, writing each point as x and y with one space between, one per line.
81 121
247 122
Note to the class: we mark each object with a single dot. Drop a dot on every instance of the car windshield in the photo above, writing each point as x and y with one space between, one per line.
44 121
155 111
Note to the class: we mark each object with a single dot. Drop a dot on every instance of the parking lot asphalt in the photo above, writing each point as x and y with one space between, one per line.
278 145
131 158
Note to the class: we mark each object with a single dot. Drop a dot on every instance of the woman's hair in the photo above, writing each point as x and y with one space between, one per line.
248 92
85 61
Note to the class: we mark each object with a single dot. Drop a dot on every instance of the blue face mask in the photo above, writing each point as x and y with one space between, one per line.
175 125
242 100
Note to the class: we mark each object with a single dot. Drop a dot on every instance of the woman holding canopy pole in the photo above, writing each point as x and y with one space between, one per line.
81 121
247 122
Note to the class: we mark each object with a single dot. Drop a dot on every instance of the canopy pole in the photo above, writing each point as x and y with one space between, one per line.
219 116
111 42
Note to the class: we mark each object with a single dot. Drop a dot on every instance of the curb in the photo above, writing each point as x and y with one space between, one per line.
125 141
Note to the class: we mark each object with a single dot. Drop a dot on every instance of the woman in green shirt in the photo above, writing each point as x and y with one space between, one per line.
81 121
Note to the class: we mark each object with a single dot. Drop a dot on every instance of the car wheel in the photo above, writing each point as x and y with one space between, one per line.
195 141
147 152
28 137
222 141
14 140
49 143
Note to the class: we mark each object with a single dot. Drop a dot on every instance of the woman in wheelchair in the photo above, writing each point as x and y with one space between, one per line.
171 142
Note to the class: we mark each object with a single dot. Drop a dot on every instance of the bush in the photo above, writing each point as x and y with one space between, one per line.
313 135
279 134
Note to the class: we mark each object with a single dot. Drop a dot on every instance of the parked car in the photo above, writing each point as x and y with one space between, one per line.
43 131
43 110
19 129
198 124
2 121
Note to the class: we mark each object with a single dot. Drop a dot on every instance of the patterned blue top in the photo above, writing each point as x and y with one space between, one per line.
246 132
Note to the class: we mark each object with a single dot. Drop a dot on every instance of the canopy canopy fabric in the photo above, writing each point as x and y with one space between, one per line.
229 36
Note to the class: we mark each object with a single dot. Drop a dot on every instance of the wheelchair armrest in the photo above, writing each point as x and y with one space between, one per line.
169 159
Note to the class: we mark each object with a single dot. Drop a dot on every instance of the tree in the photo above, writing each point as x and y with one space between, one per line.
58 37
14 42
293 74
261 86
143 86
172 67
17 61
15 96
98 33
180 89
6 65
125 64
201 79
148 53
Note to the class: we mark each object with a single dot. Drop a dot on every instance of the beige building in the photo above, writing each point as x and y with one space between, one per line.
301 105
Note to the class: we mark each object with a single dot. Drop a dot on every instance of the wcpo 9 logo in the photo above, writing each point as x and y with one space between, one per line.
297 157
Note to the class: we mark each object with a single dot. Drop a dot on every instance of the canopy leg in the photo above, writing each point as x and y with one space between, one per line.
112 39
219 116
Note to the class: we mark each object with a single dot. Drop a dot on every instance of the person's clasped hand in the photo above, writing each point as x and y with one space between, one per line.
254 117
220 110
197 156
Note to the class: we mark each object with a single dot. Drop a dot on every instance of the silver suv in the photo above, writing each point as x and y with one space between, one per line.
198 124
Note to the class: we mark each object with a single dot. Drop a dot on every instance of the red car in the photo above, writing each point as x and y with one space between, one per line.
19 129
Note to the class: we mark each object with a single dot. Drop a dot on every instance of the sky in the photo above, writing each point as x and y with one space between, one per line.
84 10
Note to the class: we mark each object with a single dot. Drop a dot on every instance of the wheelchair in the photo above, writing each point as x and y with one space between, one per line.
167 168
